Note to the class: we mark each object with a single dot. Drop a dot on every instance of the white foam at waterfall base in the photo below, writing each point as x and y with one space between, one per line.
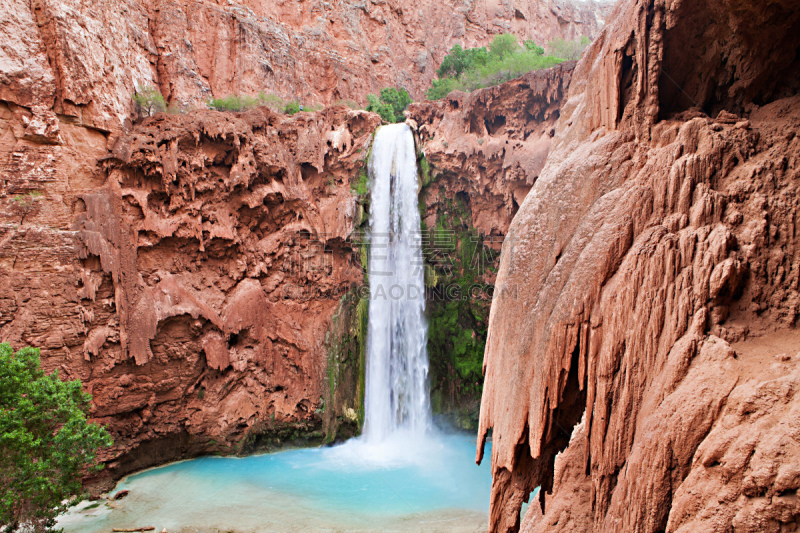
397 485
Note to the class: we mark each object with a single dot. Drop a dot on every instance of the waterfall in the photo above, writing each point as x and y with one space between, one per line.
397 359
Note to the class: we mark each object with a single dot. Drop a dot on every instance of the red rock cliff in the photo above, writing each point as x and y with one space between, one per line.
84 59
193 291
647 282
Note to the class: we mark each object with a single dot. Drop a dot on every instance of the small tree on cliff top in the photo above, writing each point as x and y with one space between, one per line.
149 100
46 442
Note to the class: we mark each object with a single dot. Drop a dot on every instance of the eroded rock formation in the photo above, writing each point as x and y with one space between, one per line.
491 145
660 233
196 287
148 261
482 152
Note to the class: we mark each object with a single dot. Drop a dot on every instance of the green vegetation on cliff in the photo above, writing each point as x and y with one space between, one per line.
456 261
390 105
236 103
148 100
474 68
46 442
345 345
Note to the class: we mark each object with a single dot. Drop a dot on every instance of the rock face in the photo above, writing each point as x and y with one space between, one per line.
194 291
660 233
491 144
84 60
482 152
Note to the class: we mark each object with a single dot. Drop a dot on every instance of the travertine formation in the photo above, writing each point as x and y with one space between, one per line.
652 255
194 290
491 144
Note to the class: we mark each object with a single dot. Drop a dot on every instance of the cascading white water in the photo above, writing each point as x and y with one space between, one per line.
398 475
397 359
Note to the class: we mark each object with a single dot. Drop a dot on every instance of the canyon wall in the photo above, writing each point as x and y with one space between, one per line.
480 154
85 59
640 364
192 289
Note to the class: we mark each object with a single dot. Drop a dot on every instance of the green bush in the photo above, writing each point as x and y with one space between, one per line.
292 107
26 203
149 100
46 442
237 103
475 68
271 101
383 109
233 102
390 105
533 47
397 99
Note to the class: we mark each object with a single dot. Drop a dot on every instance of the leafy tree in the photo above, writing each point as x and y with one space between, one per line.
454 63
459 61
398 99
383 109
46 442
534 48
503 46
149 100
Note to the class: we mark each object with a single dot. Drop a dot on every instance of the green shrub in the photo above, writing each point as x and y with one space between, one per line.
397 99
149 100
443 86
236 103
292 107
383 109
390 105
271 101
26 203
233 102
475 68
46 442
533 47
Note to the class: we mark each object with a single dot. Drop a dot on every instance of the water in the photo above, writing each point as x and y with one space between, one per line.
405 486
401 475
397 361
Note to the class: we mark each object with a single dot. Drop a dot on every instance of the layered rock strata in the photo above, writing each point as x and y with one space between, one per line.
660 233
